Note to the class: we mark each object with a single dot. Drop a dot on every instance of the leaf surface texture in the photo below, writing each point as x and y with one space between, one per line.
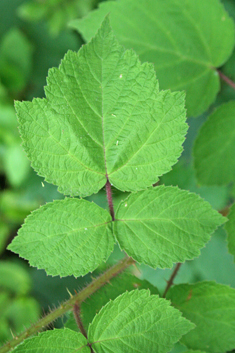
137 322
68 237
163 225
56 341
103 117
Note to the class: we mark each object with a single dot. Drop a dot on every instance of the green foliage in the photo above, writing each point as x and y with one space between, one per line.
119 285
163 225
230 228
211 306
136 319
102 103
15 300
102 124
15 60
61 341
66 232
56 12
214 147
186 55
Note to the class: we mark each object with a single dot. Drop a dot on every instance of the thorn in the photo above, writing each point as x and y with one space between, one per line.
12 334
71 296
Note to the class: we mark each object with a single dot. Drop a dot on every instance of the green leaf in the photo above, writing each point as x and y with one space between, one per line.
14 278
214 147
163 225
56 341
15 60
57 12
16 313
183 176
137 322
211 306
16 165
230 229
185 44
103 117
120 284
66 237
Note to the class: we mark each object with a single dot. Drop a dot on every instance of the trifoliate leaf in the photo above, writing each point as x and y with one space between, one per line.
230 228
118 285
163 225
137 322
214 147
103 117
211 307
186 41
67 237
56 341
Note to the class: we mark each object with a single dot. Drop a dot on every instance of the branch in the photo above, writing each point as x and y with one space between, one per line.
226 79
68 305
170 281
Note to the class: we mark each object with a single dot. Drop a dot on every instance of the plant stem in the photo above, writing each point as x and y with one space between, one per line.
226 79
110 199
171 279
77 316
68 305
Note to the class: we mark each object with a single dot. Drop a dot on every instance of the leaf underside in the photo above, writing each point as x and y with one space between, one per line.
186 41
103 117
163 225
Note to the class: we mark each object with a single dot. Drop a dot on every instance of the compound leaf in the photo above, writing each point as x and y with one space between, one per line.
56 341
163 225
211 306
214 147
230 228
186 41
137 322
66 237
103 117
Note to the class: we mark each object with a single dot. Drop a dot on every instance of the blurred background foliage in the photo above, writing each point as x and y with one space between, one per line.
34 36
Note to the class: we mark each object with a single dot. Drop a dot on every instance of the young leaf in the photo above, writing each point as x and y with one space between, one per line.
185 43
66 237
163 225
119 285
137 322
56 341
103 117
211 307
230 228
214 147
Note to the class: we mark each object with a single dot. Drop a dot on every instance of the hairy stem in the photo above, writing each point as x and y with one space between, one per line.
171 279
68 305
226 79
77 317
110 199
